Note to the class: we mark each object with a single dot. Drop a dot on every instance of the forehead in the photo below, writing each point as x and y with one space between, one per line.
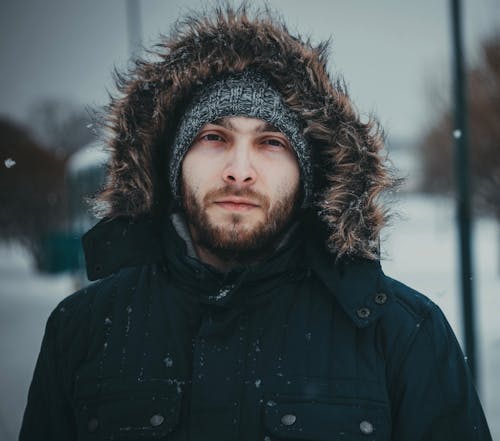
244 123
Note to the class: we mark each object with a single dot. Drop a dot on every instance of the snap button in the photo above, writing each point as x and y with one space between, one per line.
157 420
288 419
380 298
363 313
366 427
92 424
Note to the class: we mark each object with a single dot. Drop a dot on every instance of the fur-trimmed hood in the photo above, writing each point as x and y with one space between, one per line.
349 171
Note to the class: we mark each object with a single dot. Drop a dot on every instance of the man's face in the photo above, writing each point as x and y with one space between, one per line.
240 185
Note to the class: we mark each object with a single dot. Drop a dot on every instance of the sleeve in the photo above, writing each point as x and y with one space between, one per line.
48 415
434 397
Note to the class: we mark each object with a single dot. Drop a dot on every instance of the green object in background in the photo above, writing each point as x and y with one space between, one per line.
60 251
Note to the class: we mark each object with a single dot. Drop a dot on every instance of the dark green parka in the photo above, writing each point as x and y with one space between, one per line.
315 343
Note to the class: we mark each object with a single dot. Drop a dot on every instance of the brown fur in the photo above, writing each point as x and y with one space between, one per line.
349 171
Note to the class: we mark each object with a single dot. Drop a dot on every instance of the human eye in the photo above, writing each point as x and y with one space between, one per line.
275 142
211 137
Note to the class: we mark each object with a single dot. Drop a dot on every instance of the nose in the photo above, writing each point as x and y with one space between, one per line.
239 169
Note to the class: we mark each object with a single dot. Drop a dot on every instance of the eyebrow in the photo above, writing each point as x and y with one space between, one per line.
264 127
267 127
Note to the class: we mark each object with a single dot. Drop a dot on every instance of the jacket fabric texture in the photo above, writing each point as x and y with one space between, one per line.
314 343
296 347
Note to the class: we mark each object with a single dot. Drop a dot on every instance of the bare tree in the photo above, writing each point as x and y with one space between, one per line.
31 188
61 126
484 121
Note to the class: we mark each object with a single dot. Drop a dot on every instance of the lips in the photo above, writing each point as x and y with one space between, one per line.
236 204
236 200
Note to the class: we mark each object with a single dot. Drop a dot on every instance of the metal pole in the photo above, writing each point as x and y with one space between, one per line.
133 26
460 134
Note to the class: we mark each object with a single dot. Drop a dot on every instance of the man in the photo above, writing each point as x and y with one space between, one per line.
241 296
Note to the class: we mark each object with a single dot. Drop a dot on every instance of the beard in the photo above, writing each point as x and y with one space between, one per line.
237 242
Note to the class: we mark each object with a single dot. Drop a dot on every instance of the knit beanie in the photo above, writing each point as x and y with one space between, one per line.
247 94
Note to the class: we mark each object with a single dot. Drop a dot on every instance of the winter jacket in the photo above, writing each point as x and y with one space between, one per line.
315 343
297 347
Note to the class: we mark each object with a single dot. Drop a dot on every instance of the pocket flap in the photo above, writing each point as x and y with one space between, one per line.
324 421
135 411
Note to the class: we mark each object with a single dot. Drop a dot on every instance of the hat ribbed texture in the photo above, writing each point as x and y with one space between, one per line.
245 94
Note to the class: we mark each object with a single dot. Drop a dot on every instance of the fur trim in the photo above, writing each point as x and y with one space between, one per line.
349 171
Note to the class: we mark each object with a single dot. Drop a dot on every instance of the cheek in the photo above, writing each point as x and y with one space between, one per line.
188 177
192 172
284 174
294 176
197 175
199 166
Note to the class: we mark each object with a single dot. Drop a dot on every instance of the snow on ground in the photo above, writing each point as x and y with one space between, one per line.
420 251
26 299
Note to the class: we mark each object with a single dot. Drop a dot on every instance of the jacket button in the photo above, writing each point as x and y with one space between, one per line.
363 313
366 427
157 420
92 424
380 298
288 419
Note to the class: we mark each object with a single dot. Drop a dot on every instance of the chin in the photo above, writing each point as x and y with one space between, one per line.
243 229
236 221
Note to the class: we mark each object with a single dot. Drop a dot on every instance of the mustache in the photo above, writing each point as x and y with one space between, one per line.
229 191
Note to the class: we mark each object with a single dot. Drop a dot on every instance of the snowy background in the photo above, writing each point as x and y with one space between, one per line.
389 51
420 250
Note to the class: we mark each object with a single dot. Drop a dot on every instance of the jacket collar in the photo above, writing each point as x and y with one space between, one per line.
116 243
113 244
359 286
223 289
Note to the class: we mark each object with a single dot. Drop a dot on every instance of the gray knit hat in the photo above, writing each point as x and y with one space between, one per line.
244 94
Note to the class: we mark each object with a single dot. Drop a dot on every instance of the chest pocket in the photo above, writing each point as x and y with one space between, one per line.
127 409
326 421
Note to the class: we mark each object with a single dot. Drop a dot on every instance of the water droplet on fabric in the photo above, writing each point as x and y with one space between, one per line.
168 361
9 163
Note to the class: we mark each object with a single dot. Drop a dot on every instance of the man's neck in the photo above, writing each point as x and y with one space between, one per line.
225 266
186 232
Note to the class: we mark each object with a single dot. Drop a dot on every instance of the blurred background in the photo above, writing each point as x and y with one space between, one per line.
57 60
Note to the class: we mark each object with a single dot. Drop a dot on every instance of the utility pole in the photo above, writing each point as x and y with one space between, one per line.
133 27
460 133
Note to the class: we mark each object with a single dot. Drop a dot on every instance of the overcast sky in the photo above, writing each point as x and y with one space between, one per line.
387 50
